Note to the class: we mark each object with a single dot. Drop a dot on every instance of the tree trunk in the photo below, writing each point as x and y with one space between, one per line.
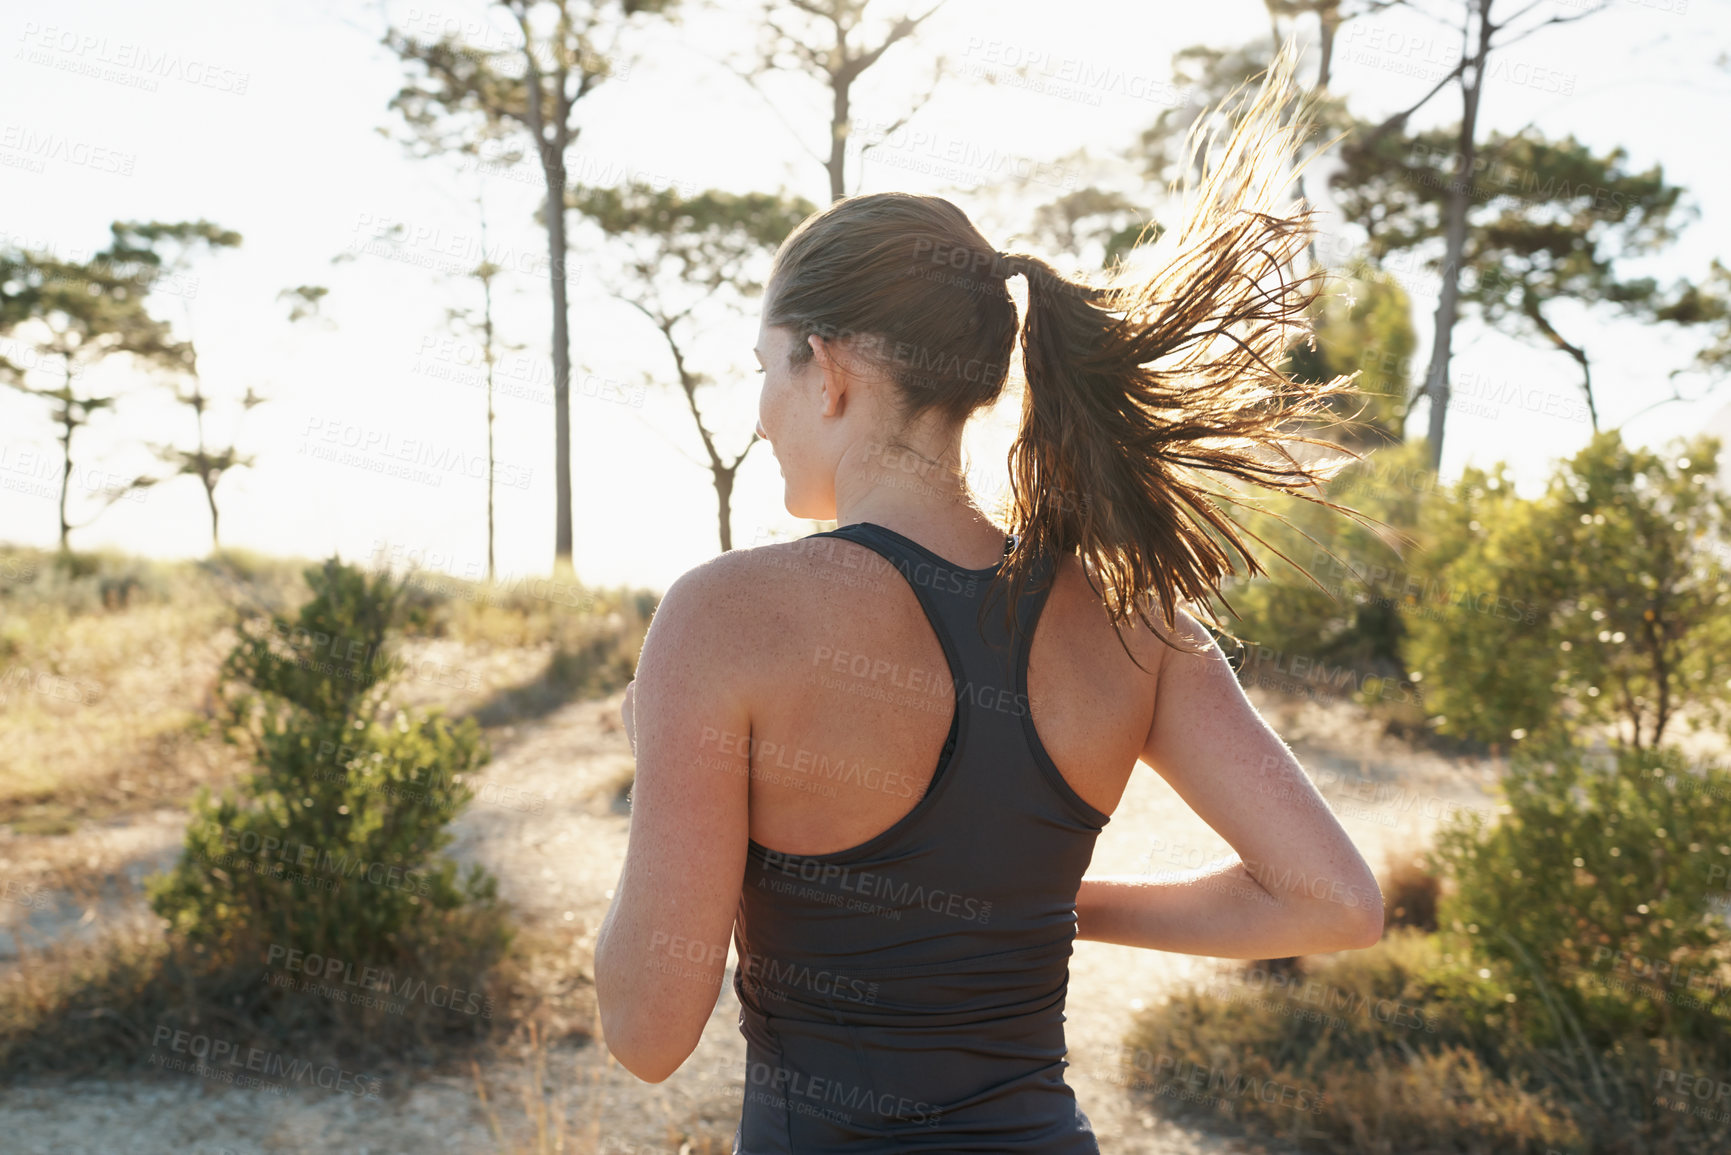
1328 23
724 504
1530 307
488 286
69 423
552 152
1460 196
562 530
210 500
487 352
65 479
204 472
838 135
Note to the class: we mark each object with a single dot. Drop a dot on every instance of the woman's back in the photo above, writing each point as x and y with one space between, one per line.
908 906
854 674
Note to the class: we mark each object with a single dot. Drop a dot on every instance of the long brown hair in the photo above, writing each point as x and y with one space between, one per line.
1133 385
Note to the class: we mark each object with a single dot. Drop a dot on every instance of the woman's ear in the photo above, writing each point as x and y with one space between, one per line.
820 352
832 379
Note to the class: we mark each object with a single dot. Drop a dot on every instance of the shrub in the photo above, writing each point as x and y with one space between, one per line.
1410 890
1573 1000
1600 892
334 846
1338 631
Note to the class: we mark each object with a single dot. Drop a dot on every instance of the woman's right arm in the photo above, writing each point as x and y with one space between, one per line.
1298 886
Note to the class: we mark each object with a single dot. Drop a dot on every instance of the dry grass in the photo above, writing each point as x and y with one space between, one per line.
108 664
563 1115
103 710
89 1005
1404 1049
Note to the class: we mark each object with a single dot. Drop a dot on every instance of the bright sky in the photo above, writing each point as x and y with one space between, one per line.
265 119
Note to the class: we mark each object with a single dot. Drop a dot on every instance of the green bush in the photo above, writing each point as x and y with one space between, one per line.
1573 999
1337 632
334 846
1601 602
1600 892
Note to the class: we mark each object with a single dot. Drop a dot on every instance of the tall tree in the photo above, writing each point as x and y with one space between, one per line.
206 462
834 42
480 325
1480 37
75 315
460 96
682 255
1330 16
1543 222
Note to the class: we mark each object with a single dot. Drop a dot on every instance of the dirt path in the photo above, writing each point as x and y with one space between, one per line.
555 838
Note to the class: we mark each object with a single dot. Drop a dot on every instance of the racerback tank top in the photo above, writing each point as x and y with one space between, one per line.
908 993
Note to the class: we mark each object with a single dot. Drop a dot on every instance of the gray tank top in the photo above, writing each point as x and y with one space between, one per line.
908 993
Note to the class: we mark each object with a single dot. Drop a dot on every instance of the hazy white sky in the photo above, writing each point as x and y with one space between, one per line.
265 120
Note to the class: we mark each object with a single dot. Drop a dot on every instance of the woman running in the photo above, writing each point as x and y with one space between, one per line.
878 758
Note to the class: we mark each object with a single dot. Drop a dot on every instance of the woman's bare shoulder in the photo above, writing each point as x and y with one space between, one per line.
1080 590
749 595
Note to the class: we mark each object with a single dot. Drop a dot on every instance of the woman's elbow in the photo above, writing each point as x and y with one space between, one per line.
636 1050
1367 930
1362 923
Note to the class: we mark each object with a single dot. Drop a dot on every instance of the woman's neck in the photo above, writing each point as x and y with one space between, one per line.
921 494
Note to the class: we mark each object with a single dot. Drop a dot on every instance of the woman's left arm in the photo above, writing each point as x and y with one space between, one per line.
661 951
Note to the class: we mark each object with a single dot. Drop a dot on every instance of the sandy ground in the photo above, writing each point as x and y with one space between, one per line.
558 864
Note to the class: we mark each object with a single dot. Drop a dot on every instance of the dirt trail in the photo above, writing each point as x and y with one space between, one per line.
548 823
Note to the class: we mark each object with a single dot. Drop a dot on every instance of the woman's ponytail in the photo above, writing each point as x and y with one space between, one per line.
1135 385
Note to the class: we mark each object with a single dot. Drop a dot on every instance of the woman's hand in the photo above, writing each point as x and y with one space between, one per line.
625 716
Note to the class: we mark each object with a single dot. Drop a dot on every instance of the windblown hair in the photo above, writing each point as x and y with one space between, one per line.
1134 385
